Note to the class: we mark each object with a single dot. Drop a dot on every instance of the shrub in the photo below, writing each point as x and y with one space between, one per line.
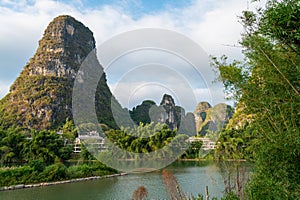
54 172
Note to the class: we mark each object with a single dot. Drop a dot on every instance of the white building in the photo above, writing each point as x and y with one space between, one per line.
207 144
93 141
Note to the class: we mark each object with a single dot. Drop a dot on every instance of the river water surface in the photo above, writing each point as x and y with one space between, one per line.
192 177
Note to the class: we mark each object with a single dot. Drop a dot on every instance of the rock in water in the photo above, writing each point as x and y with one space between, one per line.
41 97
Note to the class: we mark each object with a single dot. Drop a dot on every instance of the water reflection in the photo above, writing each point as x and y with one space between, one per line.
192 177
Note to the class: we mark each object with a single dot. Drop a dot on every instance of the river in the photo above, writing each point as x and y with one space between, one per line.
192 177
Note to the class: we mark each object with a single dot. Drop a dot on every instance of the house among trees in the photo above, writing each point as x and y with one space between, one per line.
207 144
93 140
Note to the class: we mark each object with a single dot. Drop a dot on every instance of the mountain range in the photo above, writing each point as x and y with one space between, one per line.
41 97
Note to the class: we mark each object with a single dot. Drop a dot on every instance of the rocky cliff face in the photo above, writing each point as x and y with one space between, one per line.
200 114
169 116
41 97
166 113
211 118
65 44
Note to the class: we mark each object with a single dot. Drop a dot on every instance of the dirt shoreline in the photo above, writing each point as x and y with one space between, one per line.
23 186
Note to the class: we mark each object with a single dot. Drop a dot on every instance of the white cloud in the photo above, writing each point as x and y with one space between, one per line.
212 24
4 87
130 94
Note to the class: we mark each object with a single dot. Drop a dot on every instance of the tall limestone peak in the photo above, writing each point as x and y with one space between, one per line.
167 101
200 113
41 97
175 117
172 113
66 42
211 118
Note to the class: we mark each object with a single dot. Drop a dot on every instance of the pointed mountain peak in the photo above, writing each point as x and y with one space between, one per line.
167 100
41 97
65 44
202 107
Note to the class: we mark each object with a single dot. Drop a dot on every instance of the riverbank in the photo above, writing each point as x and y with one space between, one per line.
192 178
38 173
204 159
23 186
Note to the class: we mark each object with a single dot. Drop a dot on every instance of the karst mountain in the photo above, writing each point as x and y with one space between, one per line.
41 97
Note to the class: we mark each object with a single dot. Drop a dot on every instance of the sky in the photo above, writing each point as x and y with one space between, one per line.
211 24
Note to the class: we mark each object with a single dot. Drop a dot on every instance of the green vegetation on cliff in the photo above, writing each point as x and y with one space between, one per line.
210 120
41 97
140 113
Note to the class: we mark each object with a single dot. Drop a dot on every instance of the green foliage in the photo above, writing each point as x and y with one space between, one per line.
230 196
91 169
65 152
280 21
85 154
44 146
53 172
37 102
235 144
193 150
14 176
140 113
268 92
69 130
36 172
233 76
143 138
37 165
12 144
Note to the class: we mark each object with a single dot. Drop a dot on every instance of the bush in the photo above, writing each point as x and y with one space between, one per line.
53 172
36 172
85 170
231 196
37 165
13 176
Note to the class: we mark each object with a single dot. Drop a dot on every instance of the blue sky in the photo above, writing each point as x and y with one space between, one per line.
136 8
212 24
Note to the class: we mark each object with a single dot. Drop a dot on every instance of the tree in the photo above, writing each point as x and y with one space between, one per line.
267 85
193 150
69 130
12 143
45 146
145 138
